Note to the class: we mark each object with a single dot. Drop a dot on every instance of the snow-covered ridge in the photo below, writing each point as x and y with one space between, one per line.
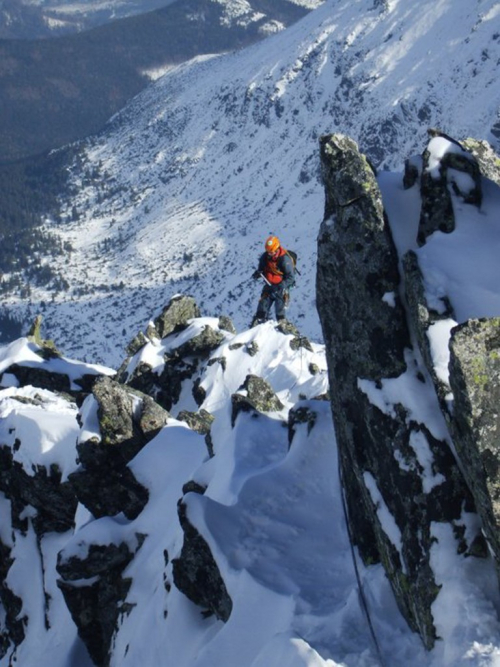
271 514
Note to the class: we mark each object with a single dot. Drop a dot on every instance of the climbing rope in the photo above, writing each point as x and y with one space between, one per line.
362 595
289 393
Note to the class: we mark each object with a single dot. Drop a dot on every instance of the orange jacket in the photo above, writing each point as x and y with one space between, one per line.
277 269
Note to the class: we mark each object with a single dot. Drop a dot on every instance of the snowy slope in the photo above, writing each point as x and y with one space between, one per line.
180 192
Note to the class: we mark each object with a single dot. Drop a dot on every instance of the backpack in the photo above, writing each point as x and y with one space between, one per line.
293 256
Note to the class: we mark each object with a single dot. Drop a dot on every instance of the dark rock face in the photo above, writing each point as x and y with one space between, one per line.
40 377
12 605
45 378
357 266
437 210
366 335
196 573
475 421
54 501
96 607
107 490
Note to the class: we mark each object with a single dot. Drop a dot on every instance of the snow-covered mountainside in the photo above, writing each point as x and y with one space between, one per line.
57 91
181 190
31 19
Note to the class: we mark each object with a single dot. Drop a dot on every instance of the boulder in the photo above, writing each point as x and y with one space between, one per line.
259 397
226 323
176 315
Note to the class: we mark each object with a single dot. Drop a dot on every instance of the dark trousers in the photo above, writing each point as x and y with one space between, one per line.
267 298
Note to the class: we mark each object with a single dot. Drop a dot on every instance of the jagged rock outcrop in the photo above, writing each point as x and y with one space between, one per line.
104 484
181 359
441 170
96 606
368 343
475 419
472 380
42 500
116 421
93 584
196 573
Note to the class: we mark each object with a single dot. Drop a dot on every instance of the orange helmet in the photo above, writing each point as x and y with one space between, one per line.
272 244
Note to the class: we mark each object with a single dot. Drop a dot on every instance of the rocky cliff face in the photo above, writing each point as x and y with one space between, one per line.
375 326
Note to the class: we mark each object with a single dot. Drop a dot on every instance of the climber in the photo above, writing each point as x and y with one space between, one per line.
276 268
